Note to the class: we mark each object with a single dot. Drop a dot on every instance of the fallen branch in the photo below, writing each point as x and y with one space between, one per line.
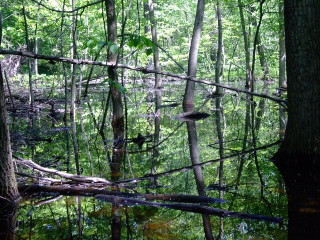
73 177
91 190
188 208
53 59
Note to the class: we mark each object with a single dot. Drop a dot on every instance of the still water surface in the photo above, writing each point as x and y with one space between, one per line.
157 141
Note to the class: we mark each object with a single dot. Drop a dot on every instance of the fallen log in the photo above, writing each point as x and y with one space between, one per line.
92 190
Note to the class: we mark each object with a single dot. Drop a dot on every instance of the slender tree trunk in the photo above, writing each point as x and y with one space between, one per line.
31 95
246 45
156 63
298 158
219 112
117 117
74 92
219 52
116 97
188 101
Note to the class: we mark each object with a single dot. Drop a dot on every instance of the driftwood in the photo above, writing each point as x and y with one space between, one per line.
145 70
188 208
73 177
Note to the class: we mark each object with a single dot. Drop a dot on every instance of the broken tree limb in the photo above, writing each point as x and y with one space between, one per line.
188 208
145 70
91 190
74 177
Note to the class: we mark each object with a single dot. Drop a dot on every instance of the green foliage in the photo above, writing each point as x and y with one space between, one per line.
141 42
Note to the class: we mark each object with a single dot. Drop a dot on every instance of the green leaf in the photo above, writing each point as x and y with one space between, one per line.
149 51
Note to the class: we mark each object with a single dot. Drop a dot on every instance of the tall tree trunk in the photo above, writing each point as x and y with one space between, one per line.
117 116
219 52
117 106
74 91
246 45
158 82
188 101
219 112
8 186
31 95
298 158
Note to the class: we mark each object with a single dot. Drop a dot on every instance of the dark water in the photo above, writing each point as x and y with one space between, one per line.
156 142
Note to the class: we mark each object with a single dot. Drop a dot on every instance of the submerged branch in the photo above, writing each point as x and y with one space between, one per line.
188 208
94 189
131 199
53 59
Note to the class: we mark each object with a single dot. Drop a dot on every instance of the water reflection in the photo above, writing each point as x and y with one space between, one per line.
155 160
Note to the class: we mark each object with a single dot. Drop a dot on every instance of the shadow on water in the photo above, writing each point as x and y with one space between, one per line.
162 190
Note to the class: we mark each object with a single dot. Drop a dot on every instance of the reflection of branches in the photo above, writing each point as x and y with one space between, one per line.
188 208
159 143
183 169
140 69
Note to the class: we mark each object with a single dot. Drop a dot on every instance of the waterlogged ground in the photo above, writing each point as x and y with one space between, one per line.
156 142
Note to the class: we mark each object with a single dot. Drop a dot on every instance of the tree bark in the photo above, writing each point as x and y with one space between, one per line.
117 117
74 92
8 186
298 158
188 101
246 45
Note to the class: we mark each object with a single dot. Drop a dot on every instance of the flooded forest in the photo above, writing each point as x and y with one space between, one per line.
154 120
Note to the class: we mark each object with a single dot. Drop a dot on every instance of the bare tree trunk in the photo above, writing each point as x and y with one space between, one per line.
219 111
158 86
219 52
31 95
188 101
74 92
158 82
117 117
246 45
